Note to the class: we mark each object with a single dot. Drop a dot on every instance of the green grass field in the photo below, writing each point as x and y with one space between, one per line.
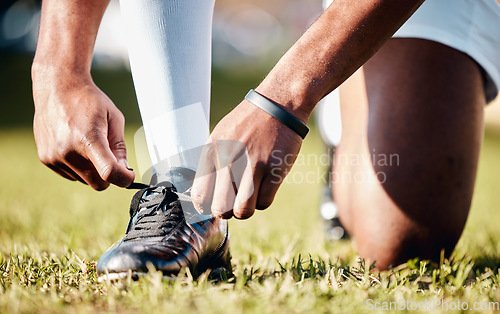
53 231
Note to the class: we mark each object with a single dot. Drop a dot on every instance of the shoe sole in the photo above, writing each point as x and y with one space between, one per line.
219 264
217 273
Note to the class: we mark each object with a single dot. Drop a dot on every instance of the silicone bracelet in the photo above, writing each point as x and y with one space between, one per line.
279 113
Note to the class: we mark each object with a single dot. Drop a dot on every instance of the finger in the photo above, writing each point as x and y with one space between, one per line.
202 192
204 182
64 167
239 163
86 170
116 138
106 164
246 199
62 173
224 193
268 189
120 151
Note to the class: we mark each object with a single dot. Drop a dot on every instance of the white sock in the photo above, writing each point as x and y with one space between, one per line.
170 58
328 112
328 119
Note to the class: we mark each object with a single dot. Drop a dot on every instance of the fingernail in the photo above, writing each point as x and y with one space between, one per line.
199 208
125 163
217 213
196 201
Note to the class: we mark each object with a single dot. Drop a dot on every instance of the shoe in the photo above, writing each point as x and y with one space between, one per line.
166 233
333 227
328 208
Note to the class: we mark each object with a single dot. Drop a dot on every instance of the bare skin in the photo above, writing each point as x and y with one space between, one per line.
338 43
78 130
423 102
433 120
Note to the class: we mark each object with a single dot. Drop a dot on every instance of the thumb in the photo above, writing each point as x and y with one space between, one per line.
119 150
123 175
110 168
108 153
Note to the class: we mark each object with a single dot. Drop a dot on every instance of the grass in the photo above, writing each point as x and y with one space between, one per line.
53 231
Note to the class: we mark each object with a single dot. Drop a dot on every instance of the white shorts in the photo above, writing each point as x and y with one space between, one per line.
469 26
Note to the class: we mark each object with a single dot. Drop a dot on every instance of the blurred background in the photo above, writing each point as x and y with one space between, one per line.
40 209
249 36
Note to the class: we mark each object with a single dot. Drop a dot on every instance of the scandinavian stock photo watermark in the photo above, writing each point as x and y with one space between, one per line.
351 168
225 163
430 305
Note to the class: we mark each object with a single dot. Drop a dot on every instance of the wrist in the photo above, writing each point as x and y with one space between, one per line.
48 73
54 61
53 82
278 112
295 97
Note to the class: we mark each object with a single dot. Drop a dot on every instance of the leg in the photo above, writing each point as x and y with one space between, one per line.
405 169
169 45
170 58
329 124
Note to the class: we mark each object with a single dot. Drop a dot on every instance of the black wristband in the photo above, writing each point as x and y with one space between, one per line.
279 113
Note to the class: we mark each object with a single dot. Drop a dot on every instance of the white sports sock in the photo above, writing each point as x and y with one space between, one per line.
328 112
170 58
328 119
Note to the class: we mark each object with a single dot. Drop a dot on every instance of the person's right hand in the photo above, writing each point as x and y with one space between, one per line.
79 131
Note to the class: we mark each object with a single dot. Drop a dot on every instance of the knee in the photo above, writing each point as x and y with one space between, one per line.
388 246
391 228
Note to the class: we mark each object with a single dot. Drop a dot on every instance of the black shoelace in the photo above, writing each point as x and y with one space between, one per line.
154 212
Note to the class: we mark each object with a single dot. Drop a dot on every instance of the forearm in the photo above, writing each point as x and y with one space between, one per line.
78 130
68 29
334 47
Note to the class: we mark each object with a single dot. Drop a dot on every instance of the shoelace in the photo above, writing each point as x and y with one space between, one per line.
154 212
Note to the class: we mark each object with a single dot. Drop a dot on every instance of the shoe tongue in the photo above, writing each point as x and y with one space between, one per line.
181 178
153 197
161 197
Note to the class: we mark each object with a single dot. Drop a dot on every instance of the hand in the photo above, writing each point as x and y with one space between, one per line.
79 131
248 155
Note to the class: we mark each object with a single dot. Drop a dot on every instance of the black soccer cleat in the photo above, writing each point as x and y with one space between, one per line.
334 230
164 235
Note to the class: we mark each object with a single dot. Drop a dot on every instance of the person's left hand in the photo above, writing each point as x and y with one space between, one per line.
229 184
